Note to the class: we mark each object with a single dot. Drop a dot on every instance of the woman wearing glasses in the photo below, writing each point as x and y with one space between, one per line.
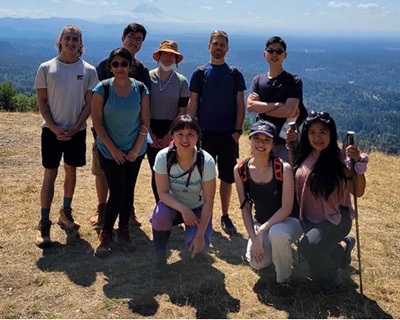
323 187
185 178
169 96
120 113
267 182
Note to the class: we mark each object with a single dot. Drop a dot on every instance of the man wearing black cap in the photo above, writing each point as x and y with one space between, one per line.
217 100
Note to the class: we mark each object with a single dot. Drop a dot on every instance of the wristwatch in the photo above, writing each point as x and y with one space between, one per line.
240 131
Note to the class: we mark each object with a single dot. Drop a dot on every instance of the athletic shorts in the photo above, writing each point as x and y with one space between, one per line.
224 149
73 151
97 169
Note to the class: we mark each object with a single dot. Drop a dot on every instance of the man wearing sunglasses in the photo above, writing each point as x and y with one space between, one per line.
276 95
132 39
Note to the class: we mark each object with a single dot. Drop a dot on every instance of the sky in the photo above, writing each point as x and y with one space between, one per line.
339 17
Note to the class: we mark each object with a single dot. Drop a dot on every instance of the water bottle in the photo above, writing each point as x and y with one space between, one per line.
285 127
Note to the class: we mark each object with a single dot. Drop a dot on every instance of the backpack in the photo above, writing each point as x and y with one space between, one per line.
243 169
180 77
106 86
199 163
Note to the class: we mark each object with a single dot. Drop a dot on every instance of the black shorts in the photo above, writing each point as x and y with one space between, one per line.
223 148
74 150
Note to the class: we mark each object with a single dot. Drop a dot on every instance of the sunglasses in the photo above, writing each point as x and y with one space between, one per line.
322 116
277 51
123 64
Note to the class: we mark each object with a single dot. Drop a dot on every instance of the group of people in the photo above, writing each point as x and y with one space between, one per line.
298 181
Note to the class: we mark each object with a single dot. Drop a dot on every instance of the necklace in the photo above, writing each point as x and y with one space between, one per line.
169 79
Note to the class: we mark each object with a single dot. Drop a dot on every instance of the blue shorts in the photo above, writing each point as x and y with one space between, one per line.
165 217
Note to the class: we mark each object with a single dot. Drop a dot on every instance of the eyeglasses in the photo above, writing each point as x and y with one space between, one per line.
123 64
322 116
277 51
135 39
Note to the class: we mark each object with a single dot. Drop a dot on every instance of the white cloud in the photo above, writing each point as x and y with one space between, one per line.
84 2
367 6
229 2
207 8
334 4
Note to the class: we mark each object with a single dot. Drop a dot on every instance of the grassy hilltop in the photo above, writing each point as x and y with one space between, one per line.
66 281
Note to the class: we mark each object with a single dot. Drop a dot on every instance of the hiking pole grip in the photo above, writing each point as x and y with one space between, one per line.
350 135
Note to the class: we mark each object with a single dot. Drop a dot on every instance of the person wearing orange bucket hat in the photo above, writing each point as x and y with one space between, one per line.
169 96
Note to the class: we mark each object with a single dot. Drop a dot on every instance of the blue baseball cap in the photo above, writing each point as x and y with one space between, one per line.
263 127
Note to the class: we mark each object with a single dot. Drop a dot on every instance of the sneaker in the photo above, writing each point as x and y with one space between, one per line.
132 220
97 220
350 243
103 249
66 221
124 240
329 283
227 225
160 266
285 289
43 235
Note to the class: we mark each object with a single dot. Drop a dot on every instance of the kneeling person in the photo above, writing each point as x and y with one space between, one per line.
268 183
185 179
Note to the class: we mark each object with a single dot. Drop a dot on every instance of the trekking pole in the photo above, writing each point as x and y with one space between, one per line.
350 137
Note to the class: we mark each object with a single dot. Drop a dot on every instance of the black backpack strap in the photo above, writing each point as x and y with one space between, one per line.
243 169
200 162
106 86
235 76
289 79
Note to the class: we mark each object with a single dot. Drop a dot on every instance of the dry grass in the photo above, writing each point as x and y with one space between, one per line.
66 281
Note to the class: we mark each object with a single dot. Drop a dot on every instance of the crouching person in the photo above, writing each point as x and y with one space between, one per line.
267 182
185 179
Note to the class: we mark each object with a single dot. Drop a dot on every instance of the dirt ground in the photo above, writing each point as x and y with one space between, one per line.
67 281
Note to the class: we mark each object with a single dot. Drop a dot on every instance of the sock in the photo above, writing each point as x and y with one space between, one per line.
67 203
45 214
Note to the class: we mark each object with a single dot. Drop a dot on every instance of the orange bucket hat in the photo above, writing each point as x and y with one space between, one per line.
168 46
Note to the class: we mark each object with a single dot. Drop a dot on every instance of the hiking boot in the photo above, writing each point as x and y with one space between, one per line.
43 235
160 266
66 221
350 243
227 225
103 249
285 289
124 240
97 220
328 283
132 220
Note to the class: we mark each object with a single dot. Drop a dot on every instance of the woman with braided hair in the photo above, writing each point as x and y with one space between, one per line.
185 178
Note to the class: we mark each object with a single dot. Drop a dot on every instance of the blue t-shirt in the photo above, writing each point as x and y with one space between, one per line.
121 118
190 196
216 111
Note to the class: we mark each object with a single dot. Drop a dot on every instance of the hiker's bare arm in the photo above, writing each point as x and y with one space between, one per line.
285 110
254 104
240 114
193 104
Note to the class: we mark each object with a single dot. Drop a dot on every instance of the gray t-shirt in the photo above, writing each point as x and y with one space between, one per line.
164 95
66 84
190 196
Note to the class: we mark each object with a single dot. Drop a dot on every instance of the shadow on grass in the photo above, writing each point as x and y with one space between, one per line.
76 258
227 248
307 303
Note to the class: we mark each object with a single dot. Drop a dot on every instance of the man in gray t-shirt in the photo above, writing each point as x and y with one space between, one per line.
63 87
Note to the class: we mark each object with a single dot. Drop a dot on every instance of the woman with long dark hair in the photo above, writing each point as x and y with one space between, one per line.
323 187
185 178
120 113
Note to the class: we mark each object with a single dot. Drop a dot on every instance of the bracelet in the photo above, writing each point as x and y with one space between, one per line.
134 153
147 131
143 134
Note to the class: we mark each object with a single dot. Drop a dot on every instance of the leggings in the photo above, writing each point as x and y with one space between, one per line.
320 245
121 181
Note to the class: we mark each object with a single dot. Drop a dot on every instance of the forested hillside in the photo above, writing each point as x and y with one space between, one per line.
356 80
